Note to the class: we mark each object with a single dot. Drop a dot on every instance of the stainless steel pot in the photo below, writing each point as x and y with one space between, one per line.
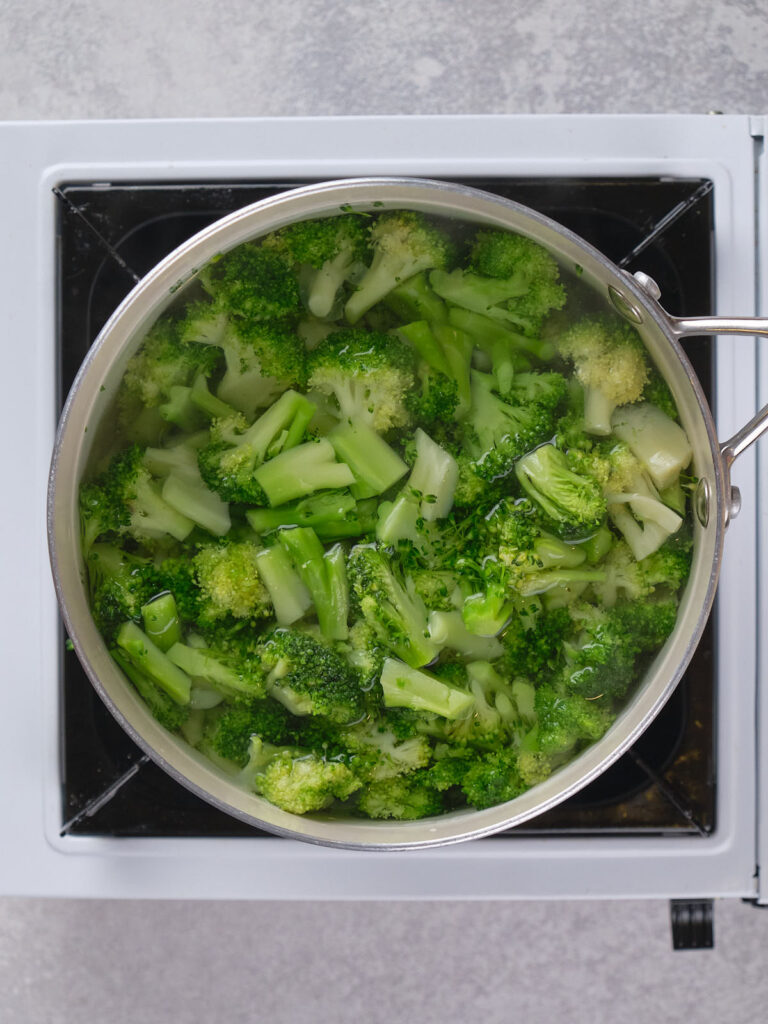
86 415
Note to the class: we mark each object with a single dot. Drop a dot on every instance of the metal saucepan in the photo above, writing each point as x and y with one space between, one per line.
636 297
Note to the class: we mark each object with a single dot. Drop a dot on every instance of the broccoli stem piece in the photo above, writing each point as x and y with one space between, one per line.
419 335
199 664
447 629
208 404
169 714
372 461
147 657
433 478
290 598
406 687
161 621
324 575
189 496
302 470
331 514
660 444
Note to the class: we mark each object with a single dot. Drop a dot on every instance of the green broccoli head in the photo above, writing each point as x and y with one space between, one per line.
297 781
369 375
332 247
125 499
119 584
229 582
510 279
572 502
229 733
403 243
497 432
404 798
610 362
389 604
253 283
311 677
164 361
565 722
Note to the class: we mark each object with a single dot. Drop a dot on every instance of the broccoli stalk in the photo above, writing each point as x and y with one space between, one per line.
289 596
159 667
659 443
324 575
375 465
302 470
161 621
407 687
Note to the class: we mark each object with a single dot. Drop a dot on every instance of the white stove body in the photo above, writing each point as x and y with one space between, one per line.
34 858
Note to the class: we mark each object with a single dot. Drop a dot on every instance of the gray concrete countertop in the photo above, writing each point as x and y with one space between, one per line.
66 960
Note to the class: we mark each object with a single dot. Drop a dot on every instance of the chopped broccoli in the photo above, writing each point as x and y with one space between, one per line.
610 362
323 573
311 677
229 581
659 443
235 452
404 798
498 432
119 584
564 722
125 499
390 605
252 284
572 502
164 708
369 376
331 247
297 781
403 243
229 732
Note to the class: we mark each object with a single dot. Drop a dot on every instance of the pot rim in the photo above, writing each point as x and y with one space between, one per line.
124 329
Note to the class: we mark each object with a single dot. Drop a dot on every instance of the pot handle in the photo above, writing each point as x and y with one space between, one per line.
731 449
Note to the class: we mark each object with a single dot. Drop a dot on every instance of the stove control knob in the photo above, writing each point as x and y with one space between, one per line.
648 285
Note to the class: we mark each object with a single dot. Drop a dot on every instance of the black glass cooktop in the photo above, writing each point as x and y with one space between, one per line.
110 234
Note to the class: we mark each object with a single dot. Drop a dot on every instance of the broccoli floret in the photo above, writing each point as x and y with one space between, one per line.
125 499
603 657
437 588
297 781
253 283
403 243
369 375
498 433
366 654
572 502
229 581
405 798
511 279
533 643
119 584
331 248
229 733
310 677
228 463
610 362
162 363
492 718
390 605
435 401
492 779
377 753
564 722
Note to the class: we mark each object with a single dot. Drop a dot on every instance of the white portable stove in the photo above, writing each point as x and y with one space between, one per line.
76 823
